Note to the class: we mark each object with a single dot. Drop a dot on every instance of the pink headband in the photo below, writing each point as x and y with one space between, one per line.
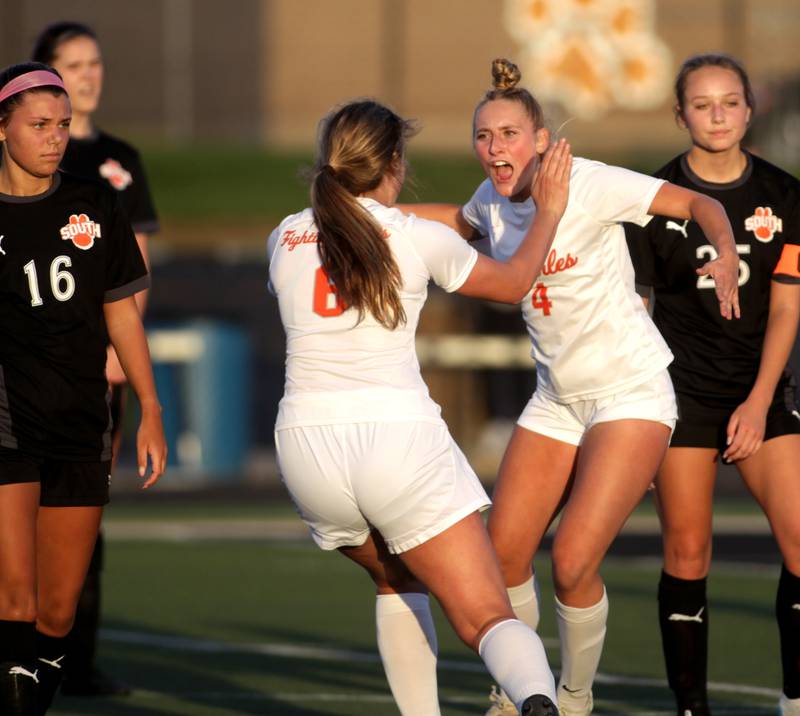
37 78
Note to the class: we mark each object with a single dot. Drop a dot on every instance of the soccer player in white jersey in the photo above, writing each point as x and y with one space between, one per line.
592 436
362 448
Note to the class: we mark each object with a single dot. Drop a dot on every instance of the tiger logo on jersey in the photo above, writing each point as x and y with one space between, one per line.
115 174
764 224
81 230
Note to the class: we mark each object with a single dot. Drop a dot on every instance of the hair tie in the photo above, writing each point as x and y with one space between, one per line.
29 80
328 169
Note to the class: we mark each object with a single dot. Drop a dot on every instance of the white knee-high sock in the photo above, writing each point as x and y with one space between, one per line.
515 657
525 600
582 632
408 648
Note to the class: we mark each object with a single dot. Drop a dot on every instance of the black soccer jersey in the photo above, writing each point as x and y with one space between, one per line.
106 158
63 254
714 357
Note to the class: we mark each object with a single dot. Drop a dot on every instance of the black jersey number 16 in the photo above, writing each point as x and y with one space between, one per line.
62 283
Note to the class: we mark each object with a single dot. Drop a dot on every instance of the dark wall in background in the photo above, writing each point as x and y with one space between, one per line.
174 68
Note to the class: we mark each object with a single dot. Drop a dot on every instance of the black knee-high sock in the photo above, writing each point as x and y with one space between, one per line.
683 617
50 652
787 610
18 678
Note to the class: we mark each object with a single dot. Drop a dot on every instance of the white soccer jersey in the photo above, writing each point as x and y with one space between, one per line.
338 370
590 332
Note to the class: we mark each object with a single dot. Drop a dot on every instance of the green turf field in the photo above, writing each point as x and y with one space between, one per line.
219 626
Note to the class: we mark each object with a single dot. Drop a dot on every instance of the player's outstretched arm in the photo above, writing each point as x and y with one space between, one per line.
681 203
127 336
509 282
447 214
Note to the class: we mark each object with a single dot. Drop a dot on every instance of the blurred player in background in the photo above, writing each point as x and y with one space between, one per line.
72 49
362 448
735 394
589 441
69 268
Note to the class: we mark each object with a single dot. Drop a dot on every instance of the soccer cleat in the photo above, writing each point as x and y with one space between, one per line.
695 708
788 707
538 705
501 704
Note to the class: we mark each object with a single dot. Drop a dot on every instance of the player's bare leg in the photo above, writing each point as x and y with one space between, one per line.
473 596
532 484
65 540
684 496
404 624
616 464
19 504
771 475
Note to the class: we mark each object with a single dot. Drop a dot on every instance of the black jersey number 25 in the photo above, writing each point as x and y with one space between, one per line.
709 253
62 283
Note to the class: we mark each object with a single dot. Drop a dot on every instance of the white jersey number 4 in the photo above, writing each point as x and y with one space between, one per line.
707 253
539 299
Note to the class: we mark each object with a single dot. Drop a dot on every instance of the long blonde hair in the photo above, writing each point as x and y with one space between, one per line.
358 145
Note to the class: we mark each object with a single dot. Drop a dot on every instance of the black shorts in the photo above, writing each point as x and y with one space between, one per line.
703 424
64 484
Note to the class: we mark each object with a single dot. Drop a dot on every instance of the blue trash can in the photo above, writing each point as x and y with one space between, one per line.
202 372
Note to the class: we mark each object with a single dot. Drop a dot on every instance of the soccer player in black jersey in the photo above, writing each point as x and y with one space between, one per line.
72 49
69 268
735 394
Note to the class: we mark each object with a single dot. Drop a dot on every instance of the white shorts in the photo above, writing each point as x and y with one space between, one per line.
407 479
569 422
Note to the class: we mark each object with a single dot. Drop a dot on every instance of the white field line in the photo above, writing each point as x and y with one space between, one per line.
322 653
611 707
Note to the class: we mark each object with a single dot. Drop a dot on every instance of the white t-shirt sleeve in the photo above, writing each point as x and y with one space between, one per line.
613 194
448 258
475 211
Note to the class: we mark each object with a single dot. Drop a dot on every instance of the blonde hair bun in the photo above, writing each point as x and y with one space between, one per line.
505 74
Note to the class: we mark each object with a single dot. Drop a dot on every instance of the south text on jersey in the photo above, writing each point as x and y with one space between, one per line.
81 230
763 223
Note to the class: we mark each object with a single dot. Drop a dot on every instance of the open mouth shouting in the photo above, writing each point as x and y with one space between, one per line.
502 170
